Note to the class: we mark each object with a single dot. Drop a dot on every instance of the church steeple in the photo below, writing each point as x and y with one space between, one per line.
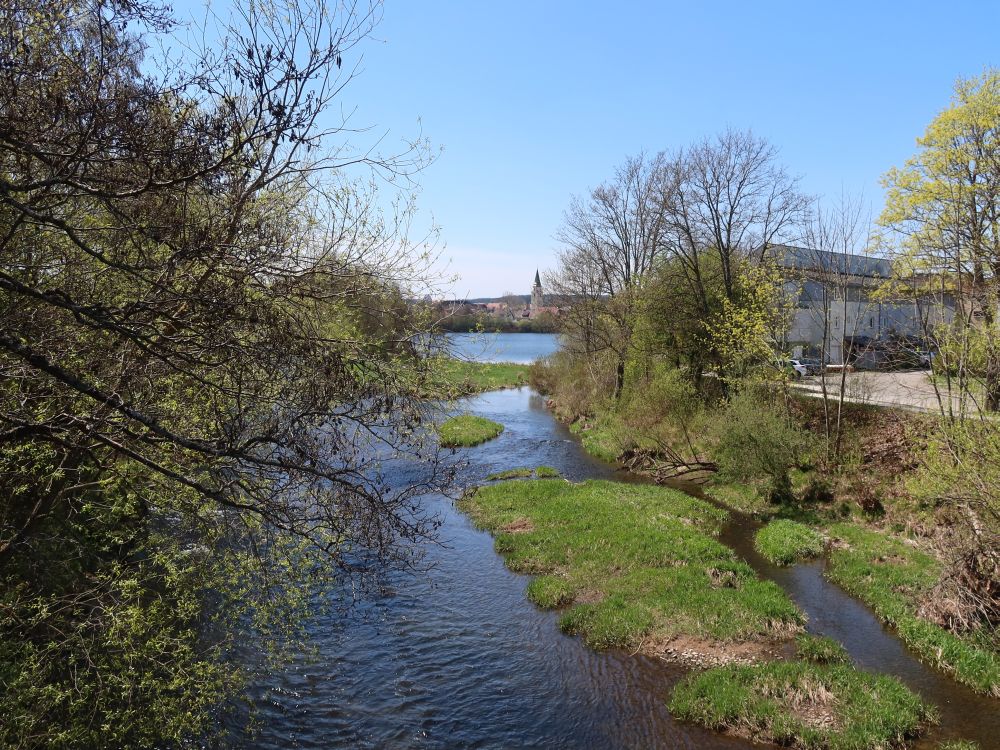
537 298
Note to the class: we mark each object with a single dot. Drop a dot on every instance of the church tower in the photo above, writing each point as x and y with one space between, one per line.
537 299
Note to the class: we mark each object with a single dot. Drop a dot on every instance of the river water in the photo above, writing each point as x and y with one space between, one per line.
456 657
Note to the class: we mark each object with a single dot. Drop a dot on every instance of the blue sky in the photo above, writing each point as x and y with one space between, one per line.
535 101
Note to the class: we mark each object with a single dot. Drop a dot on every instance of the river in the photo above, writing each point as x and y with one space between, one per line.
456 656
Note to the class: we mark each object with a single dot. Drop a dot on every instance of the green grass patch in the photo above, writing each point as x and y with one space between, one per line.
599 440
510 474
542 472
452 378
820 649
634 562
891 577
803 705
783 542
467 430
747 498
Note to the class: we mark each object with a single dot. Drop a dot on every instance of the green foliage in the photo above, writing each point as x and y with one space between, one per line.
820 649
893 578
661 409
934 192
803 705
758 441
203 335
467 430
747 331
636 562
783 542
579 386
547 472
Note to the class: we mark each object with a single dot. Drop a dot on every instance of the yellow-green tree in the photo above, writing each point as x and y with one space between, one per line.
749 328
942 213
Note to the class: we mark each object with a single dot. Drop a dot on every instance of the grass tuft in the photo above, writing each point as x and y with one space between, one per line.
803 705
467 430
783 542
820 649
542 472
637 563
509 474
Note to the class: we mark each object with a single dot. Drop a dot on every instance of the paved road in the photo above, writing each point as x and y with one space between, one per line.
909 390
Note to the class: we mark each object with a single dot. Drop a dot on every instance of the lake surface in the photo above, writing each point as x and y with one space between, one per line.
456 656
522 348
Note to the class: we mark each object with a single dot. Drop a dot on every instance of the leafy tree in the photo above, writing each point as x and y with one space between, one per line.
941 219
204 356
942 210
748 330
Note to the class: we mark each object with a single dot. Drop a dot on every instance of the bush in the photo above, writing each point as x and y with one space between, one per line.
758 442
579 387
819 490
663 406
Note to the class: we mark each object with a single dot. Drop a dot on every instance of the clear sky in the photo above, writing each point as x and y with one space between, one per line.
535 101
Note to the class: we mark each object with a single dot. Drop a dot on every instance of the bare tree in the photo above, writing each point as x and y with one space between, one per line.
837 287
727 200
611 242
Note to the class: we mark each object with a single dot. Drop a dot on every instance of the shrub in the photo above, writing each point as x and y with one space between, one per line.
758 442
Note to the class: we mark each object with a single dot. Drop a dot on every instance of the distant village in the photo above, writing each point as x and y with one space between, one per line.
527 313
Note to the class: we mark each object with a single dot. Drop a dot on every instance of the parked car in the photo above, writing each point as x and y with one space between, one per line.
801 371
792 367
815 366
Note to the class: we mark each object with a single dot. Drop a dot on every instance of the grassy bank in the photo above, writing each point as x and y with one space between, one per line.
892 578
467 430
452 378
802 704
783 542
771 459
634 566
